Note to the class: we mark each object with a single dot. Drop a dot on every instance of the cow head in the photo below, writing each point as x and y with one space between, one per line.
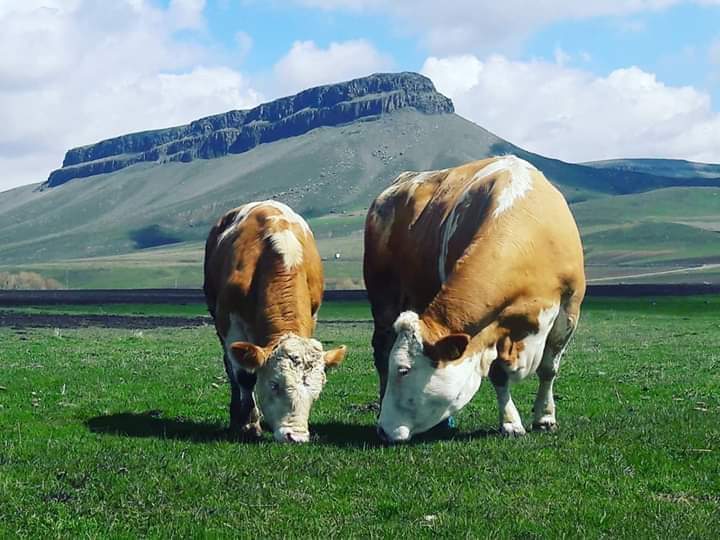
427 382
290 377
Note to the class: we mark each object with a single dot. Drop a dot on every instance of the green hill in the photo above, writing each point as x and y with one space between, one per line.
143 224
676 168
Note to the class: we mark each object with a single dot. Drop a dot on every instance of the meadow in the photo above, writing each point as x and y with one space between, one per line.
121 433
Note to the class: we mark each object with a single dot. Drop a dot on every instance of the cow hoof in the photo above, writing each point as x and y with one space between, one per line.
545 425
250 431
512 430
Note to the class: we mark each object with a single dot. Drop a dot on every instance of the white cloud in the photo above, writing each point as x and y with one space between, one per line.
464 26
561 57
187 14
75 72
714 52
244 42
307 65
574 115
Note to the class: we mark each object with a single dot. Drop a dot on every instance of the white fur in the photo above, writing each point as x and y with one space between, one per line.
287 212
286 244
534 345
411 179
448 230
520 182
426 395
296 366
510 422
544 406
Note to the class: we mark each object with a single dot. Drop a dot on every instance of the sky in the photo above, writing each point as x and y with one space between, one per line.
575 80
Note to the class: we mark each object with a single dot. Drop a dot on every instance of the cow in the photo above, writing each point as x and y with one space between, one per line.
474 271
263 286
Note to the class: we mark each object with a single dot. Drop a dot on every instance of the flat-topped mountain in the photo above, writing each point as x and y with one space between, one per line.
237 131
134 210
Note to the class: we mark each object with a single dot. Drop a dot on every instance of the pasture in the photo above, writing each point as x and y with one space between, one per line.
121 432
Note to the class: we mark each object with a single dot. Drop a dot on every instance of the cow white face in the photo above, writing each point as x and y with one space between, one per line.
426 383
289 379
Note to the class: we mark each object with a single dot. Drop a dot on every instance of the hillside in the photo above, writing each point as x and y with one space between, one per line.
674 168
144 223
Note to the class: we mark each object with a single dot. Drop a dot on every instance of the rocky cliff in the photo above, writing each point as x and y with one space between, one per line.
234 132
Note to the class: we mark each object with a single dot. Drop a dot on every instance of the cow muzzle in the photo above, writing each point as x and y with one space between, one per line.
397 435
287 435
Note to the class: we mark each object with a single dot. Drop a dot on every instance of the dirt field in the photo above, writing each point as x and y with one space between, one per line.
11 319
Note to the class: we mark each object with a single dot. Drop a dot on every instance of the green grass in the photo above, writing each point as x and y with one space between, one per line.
121 433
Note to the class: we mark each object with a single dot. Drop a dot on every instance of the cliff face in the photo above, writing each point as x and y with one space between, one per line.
238 131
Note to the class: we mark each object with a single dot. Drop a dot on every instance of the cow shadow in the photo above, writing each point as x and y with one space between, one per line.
364 436
152 424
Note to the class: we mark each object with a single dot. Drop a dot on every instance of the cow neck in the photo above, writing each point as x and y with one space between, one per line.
284 302
453 312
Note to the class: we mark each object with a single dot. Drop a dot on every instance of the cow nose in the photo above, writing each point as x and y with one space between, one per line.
292 437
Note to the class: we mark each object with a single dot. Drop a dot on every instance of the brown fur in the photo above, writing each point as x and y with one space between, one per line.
501 271
244 275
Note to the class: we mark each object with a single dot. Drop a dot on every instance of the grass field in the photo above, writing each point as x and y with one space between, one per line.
120 433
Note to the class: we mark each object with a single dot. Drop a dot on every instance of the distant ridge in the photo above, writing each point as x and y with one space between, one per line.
238 131
673 168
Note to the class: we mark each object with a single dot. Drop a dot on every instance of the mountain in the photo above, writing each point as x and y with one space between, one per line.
674 168
327 152
235 132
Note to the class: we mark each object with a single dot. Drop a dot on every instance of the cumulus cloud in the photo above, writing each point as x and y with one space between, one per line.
307 65
714 52
76 71
484 25
574 115
244 43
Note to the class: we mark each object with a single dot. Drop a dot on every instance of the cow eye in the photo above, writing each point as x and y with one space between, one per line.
274 387
402 371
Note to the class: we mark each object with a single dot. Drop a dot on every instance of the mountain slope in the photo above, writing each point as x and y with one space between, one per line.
163 209
673 168
235 132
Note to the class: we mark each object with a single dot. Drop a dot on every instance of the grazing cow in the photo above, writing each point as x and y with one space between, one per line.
263 286
472 271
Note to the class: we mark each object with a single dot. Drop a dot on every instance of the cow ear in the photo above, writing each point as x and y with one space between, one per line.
332 358
249 356
448 348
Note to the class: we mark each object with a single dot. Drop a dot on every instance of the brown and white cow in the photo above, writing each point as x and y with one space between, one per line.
472 271
264 285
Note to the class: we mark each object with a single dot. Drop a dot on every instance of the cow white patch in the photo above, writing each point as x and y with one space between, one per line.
288 383
534 345
286 244
520 183
288 213
420 394
409 179
510 421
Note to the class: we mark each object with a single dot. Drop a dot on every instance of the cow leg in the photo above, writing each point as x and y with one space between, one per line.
244 415
510 421
385 307
544 407
557 341
382 341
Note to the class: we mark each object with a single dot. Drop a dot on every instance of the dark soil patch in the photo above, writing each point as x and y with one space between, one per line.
25 320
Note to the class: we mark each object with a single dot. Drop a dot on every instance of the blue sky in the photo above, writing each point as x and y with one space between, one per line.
674 43
578 81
